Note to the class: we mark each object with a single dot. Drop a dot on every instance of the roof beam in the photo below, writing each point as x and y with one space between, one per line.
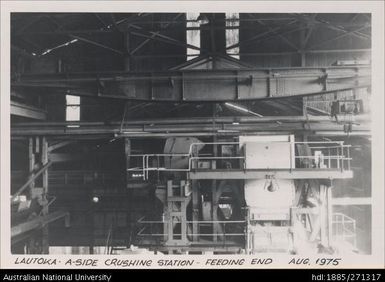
106 30
309 32
86 40
103 22
306 19
291 44
261 37
23 110
159 37
96 44
30 21
137 48
336 38
343 29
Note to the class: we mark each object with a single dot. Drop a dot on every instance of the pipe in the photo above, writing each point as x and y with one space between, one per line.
199 120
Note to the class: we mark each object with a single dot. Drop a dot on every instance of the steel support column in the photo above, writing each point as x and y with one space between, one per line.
38 175
329 209
214 202
45 201
325 216
195 206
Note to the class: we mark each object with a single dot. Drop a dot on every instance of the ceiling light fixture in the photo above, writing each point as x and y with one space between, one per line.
238 108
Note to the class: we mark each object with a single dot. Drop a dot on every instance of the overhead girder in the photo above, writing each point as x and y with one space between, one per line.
28 111
196 126
202 85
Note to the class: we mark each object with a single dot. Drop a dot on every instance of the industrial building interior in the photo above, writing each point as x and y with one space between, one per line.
190 133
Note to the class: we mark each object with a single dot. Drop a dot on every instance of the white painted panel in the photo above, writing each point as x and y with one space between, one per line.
268 151
268 155
257 195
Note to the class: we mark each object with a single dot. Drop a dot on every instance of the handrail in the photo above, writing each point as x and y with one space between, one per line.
338 158
199 222
194 221
344 232
239 143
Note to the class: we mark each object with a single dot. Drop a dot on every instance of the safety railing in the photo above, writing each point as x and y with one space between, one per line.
82 177
158 163
310 155
72 177
154 228
325 155
344 229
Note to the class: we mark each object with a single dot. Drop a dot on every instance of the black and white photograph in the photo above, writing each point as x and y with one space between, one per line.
231 135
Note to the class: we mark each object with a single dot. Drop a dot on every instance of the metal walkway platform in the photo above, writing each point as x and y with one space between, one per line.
299 173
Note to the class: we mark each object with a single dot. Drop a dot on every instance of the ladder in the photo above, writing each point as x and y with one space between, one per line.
175 226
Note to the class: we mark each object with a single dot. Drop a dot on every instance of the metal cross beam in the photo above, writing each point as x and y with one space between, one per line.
33 177
260 22
185 127
305 19
23 110
338 37
202 85
309 32
92 42
30 21
162 38
38 222
152 36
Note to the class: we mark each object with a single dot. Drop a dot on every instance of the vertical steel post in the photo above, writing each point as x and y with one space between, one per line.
44 160
31 163
337 156
329 214
214 204
168 225
195 206
323 215
293 218
348 151
342 156
183 218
